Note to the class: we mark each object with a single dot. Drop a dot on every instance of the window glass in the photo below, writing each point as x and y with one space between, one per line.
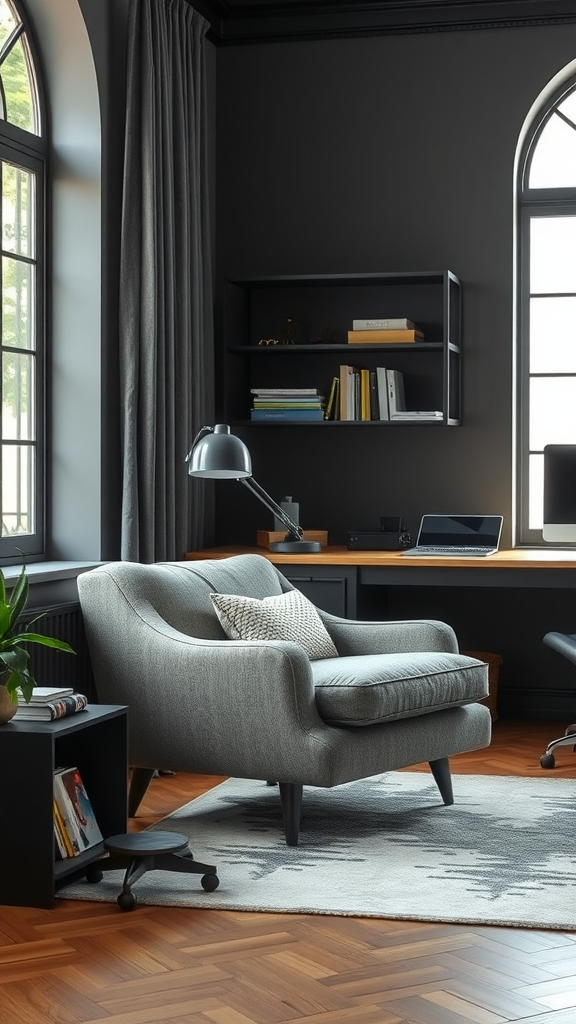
553 254
552 328
8 22
17 209
18 497
552 411
553 163
18 91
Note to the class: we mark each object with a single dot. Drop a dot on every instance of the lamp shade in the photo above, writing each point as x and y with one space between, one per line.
220 456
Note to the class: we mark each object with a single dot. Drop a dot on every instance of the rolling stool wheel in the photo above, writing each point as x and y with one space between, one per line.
139 852
547 761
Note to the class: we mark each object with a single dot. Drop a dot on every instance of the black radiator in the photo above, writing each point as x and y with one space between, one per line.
56 668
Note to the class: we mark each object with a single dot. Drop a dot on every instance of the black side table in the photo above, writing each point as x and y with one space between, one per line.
149 851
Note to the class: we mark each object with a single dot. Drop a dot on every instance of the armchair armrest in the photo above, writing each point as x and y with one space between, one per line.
353 636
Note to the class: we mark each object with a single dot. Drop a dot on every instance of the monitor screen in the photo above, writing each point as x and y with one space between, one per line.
559 494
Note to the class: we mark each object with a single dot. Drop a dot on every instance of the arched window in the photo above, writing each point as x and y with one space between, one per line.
22 217
547 300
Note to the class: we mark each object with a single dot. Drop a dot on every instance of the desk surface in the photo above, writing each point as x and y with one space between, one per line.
517 558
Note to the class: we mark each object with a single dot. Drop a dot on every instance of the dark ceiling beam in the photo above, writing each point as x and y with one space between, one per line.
243 21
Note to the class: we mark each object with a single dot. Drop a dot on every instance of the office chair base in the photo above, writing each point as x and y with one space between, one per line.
567 740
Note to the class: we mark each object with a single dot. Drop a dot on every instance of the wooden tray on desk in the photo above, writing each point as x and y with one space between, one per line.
266 537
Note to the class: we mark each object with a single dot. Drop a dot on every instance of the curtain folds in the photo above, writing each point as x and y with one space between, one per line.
166 305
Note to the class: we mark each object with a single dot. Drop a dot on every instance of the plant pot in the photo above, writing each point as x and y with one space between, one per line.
7 706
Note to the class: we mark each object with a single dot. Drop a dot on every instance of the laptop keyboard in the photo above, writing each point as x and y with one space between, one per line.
429 549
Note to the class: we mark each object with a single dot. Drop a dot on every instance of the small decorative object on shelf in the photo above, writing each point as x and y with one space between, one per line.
14 658
325 336
287 335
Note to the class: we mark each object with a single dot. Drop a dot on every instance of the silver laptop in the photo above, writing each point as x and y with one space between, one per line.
457 535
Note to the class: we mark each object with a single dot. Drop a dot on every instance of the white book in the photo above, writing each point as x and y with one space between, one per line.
396 399
386 324
45 694
432 414
382 392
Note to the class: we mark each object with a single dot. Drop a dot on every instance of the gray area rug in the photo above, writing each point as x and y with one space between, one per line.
503 853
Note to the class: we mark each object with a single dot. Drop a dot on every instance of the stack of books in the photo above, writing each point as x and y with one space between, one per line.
287 404
75 825
384 332
49 703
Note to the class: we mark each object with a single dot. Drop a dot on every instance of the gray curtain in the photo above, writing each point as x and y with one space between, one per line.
166 334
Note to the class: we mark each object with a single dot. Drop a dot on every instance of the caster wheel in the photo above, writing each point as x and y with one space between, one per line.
94 875
126 901
210 882
547 761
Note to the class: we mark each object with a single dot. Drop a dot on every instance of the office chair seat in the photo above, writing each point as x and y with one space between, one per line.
565 644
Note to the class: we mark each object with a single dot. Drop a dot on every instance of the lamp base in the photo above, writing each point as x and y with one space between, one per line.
295 547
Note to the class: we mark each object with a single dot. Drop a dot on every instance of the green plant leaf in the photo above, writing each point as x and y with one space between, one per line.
47 641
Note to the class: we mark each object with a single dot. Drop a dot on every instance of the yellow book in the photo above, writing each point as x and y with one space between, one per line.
383 337
364 394
62 838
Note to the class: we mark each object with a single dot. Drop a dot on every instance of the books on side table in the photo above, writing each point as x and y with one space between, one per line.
75 825
49 703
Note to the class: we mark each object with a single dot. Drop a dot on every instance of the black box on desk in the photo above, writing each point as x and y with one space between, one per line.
377 540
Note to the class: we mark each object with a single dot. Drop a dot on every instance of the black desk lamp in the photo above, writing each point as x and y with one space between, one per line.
219 455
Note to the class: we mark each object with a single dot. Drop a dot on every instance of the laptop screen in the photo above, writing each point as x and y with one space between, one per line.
478 531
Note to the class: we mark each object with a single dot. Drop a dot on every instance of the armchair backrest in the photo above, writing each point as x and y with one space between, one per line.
176 593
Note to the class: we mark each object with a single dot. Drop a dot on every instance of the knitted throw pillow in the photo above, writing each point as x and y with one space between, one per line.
289 616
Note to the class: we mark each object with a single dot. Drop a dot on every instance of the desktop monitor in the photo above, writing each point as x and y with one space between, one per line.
560 494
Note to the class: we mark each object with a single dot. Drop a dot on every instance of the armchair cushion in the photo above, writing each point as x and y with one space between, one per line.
289 616
369 689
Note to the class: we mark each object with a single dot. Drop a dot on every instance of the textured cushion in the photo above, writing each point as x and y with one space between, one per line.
289 616
366 689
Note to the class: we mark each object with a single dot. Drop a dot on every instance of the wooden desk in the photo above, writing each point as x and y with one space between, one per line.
517 558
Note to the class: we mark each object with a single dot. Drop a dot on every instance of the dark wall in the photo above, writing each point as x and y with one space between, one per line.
385 154
394 154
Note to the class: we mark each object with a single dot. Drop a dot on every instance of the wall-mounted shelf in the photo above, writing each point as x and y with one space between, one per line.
257 308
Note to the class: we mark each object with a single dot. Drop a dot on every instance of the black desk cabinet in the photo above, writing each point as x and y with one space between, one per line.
96 742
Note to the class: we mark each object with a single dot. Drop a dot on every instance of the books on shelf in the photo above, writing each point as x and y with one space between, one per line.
74 812
398 323
384 337
332 404
288 392
419 414
382 383
287 404
48 711
396 398
280 415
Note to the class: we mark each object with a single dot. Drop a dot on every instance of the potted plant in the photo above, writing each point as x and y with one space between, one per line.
14 658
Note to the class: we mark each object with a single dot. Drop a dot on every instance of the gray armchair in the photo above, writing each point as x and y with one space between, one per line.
398 693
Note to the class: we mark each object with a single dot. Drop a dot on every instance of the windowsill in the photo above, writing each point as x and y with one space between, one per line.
47 572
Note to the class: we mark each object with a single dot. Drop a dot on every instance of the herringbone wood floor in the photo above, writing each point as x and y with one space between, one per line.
90 962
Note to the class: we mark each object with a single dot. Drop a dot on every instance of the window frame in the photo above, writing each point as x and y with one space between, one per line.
532 202
30 151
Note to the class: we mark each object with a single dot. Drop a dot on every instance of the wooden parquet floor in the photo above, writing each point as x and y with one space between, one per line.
92 963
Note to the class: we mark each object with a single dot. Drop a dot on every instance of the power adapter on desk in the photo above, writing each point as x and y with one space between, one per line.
392 536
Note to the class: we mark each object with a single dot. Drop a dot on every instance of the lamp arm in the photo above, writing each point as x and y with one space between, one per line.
293 529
